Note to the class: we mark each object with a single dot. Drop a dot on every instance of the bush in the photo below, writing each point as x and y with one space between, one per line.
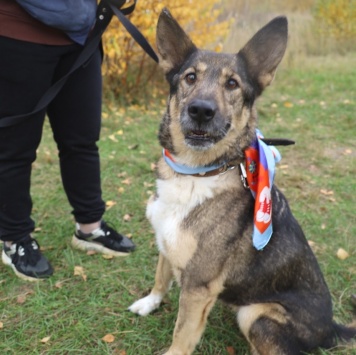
336 18
128 71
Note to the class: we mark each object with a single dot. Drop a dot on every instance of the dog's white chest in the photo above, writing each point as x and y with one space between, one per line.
176 198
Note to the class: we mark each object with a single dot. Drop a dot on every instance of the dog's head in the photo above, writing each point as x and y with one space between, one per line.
210 115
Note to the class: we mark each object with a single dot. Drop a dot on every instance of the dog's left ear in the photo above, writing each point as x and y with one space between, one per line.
174 45
264 51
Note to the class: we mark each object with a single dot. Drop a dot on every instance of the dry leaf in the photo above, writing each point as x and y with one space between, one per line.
107 257
120 132
113 138
108 338
326 192
127 217
126 181
1 325
230 350
104 115
121 190
123 174
91 252
45 340
110 204
21 299
153 166
288 104
79 271
342 254
347 151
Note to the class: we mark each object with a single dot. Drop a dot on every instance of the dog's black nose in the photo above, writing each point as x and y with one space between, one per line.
201 110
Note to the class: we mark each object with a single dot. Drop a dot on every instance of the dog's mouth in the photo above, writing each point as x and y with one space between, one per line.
204 139
199 135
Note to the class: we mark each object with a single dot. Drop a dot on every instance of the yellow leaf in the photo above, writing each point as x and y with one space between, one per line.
107 257
127 217
110 204
120 132
79 271
288 104
342 254
326 192
126 181
104 115
113 138
108 338
45 340
1 325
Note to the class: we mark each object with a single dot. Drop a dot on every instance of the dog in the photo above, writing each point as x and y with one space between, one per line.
203 212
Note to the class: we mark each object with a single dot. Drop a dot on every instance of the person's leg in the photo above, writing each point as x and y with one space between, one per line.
75 117
25 73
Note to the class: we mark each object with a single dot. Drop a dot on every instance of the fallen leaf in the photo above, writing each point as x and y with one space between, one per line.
91 252
123 174
127 217
126 181
133 146
121 190
342 254
104 115
107 257
113 138
326 192
21 299
230 350
45 340
110 204
1 325
120 132
347 152
108 338
288 104
79 271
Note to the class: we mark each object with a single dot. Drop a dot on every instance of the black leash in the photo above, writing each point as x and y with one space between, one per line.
106 10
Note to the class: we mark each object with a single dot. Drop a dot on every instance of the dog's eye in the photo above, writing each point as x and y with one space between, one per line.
232 84
190 78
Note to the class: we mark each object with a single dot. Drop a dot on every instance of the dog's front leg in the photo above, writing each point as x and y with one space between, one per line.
163 282
194 308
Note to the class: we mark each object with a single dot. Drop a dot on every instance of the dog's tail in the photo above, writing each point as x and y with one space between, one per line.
345 333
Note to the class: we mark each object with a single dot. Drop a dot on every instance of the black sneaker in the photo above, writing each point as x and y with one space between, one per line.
103 240
26 260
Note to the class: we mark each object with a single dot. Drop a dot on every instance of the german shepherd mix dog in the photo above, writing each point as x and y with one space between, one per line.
204 221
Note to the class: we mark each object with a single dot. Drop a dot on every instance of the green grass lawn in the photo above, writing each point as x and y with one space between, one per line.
313 104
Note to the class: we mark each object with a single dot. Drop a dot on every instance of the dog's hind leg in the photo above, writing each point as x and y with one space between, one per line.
265 326
163 282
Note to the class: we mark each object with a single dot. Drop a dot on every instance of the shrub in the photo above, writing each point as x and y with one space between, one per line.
128 71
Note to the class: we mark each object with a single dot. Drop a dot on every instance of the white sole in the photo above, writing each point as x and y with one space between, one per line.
7 261
92 246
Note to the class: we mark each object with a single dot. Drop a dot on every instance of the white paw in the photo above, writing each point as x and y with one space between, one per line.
146 305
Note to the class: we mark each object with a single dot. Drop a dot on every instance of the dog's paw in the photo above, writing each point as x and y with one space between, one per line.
146 305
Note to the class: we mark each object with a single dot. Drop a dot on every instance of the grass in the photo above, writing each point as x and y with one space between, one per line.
313 104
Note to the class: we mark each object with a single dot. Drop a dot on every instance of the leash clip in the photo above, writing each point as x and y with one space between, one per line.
243 176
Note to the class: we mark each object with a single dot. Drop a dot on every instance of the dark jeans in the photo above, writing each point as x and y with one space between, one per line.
27 70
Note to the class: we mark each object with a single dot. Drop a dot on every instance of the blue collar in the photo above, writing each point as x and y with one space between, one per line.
188 170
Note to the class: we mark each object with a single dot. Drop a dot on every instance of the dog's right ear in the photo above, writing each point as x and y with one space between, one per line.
174 45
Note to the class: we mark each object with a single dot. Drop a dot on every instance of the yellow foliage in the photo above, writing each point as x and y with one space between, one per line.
337 18
127 68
